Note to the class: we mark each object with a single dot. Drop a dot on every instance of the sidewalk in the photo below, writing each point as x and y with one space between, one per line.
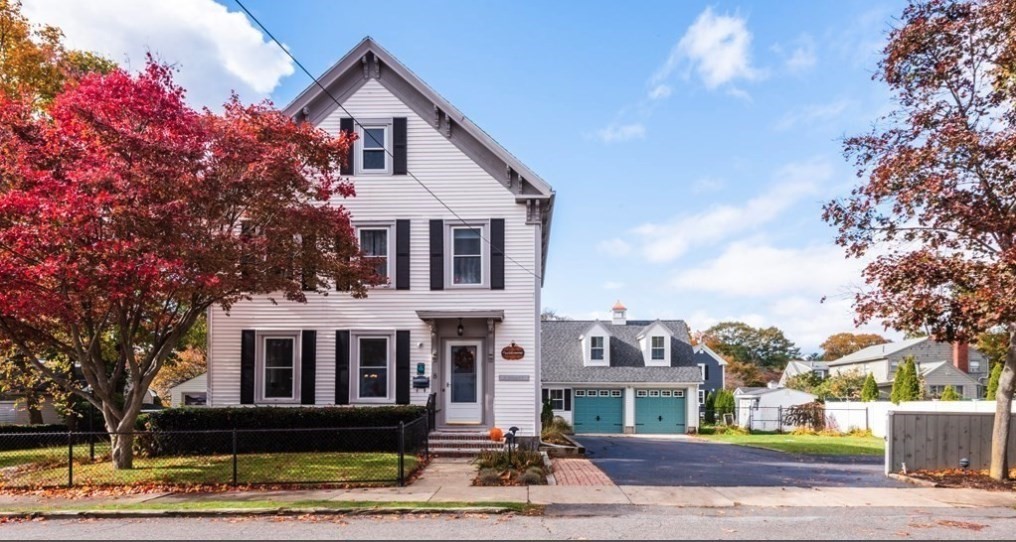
448 481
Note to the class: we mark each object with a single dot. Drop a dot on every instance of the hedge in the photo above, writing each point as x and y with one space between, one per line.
185 431
23 437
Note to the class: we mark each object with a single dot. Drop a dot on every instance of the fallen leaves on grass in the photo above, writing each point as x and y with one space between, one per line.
975 479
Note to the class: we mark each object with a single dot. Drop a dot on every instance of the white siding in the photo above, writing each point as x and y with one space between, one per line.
473 194
196 384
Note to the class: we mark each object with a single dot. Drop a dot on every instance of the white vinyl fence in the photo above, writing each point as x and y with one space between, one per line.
849 415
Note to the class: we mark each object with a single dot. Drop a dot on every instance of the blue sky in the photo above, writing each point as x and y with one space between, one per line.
691 144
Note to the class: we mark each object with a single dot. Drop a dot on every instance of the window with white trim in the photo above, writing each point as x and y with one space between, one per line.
195 398
641 393
615 393
373 368
704 369
278 368
678 393
556 399
375 243
702 397
467 255
658 351
596 348
374 138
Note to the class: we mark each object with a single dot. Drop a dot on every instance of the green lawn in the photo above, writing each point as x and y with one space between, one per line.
48 466
805 444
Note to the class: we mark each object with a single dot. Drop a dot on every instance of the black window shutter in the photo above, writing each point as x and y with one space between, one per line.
546 395
308 366
705 371
342 367
247 343
346 125
437 255
399 147
402 367
497 254
402 254
567 400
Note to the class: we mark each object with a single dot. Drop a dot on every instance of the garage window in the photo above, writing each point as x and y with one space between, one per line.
641 393
665 393
604 393
615 393
679 393
580 393
654 393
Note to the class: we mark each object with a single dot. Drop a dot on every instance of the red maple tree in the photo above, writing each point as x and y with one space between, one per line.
125 215
937 208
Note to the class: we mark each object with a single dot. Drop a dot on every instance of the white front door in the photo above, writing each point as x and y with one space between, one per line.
463 371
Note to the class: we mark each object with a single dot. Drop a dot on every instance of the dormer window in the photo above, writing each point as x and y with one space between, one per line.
596 348
659 351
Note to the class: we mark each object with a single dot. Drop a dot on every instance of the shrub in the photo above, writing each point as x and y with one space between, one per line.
950 394
488 477
547 413
710 408
531 478
500 461
23 437
553 433
996 373
869 392
723 404
184 431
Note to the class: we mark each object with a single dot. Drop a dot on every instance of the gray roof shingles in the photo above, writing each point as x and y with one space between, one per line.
562 354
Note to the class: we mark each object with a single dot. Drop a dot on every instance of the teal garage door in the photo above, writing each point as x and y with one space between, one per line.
598 411
660 412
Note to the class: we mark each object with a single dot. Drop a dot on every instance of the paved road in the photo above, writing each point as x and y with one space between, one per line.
688 462
613 522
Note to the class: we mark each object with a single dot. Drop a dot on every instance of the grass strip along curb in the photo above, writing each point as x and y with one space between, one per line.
265 508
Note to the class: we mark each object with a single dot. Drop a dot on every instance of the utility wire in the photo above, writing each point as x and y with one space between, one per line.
380 143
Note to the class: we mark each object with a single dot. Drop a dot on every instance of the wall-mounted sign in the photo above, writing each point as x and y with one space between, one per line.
513 378
513 352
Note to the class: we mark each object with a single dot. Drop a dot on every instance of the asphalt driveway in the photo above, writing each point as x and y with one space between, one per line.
690 462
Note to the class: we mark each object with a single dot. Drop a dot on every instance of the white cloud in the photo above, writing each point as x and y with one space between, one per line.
615 133
660 92
749 268
668 241
612 285
803 56
215 50
704 185
813 114
718 48
613 247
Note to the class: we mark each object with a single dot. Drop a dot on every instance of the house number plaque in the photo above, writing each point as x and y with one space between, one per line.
513 352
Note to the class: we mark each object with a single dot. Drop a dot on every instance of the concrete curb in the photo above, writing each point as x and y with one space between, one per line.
911 480
235 512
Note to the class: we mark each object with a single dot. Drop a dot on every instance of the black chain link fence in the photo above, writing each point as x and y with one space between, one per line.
361 456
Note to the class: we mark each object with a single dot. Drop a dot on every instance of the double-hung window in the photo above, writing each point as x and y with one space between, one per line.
657 350
557 399
375 244
279 368
373 142
596 348
467 255
372 367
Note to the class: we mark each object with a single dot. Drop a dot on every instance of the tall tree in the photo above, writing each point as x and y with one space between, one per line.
33 59
842 344
124 215
939 190
764 347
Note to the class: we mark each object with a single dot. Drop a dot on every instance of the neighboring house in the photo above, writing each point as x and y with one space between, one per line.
761 409
464 283
881 360
714 369
799 367
622 376
13 411
193 392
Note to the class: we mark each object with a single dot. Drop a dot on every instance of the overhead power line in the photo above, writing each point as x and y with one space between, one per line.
380 143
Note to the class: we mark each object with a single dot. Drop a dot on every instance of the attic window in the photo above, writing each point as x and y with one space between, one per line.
373 138
596 348
658 352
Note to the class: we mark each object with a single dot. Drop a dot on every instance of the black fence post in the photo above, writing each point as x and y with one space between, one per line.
426 438
70 459
402 453
779 421
91 433
234 457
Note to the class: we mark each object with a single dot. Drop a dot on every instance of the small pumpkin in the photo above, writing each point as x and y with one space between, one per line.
496 434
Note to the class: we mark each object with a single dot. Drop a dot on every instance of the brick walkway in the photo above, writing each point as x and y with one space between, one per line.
579 472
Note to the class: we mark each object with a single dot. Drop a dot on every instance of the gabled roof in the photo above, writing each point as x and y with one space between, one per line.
878 351
702 348
595 324
929 368
562 359
800 366
368 60
651 325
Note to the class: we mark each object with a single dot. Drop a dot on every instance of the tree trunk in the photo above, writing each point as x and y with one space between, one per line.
1003 413
123 450
34 415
